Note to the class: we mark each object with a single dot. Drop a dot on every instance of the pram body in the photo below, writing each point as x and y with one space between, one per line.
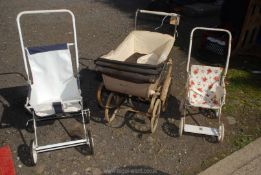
140 66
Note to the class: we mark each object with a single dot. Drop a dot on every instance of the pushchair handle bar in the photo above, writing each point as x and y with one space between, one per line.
165 14
210 29
46 12
158 13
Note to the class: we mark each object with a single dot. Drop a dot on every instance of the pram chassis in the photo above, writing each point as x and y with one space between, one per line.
85 113
156 93
217 132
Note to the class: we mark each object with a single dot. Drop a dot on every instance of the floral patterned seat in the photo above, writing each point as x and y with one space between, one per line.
204 87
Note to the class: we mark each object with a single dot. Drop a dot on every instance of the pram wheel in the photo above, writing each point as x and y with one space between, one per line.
111 108
102 95
164 105
181 126
155 115
182 106
221 131
91 144
87 117
29 126
217 113
33 152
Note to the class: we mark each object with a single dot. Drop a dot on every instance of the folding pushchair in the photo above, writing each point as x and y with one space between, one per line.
205 88
54 90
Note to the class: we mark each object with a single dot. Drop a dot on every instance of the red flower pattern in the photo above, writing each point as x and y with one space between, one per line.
216 78
204 79
209 71
195 71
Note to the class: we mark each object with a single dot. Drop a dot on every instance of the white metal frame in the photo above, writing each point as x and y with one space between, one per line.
84 113
46 12
165 14
218 132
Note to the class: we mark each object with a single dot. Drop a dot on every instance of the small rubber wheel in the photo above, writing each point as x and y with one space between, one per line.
221 131
29 126
87 117
110 112
155 115
33 152
181 106
217 113
91 143
181 126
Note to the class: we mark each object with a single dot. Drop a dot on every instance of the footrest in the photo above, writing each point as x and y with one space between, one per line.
62 145
201 130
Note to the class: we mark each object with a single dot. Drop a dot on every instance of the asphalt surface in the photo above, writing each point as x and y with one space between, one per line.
101 26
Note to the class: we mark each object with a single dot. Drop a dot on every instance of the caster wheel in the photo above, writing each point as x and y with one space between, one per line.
29 126
91 143
221 131
181 126
33 152
87 118
155 115
182 106
217 113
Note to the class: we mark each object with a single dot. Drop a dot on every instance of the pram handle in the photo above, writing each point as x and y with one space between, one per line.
165 14
158 13
210 29
46 12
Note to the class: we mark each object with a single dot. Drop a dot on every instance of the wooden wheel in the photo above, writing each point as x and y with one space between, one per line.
102 95
111 108
155 115
165 104
166 87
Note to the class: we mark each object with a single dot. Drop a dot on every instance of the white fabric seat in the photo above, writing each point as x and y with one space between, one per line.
204 87
156 47
53 80
47 109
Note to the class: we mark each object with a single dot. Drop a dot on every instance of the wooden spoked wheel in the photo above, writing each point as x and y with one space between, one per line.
102 95
155 115
111 108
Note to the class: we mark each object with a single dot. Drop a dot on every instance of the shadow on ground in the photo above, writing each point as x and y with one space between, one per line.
135 170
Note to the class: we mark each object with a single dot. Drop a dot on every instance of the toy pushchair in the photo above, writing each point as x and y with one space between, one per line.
139 67
205 88
54 90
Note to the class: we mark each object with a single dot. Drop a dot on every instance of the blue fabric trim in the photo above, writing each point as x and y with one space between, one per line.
40 49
